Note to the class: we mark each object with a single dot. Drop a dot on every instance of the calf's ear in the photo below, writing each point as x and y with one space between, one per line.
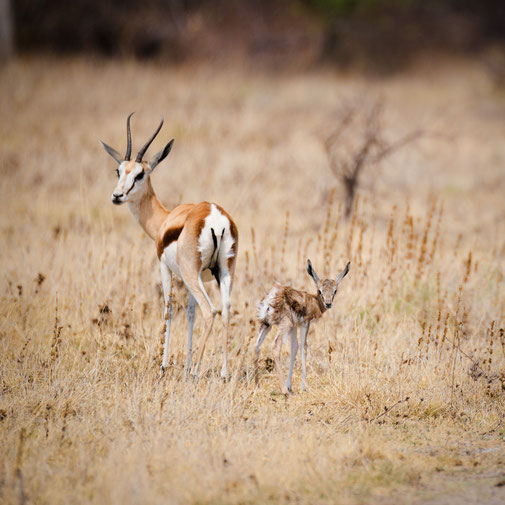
343 273
312 273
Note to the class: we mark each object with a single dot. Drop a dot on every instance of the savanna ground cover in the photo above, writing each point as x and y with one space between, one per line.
406 372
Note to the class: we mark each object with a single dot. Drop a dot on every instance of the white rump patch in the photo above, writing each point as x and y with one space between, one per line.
221 226
264 307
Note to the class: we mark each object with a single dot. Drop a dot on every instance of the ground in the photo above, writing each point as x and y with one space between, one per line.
406 384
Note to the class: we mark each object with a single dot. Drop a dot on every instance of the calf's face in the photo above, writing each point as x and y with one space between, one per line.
327 288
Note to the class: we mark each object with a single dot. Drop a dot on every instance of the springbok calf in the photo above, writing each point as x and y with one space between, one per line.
196 242
290 308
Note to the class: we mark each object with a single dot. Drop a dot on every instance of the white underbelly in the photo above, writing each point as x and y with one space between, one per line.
169 257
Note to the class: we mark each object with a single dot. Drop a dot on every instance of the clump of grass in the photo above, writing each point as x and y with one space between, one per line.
423 249
56 338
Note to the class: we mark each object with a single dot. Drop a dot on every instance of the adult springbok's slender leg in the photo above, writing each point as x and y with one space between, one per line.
225 287
166 280
190 314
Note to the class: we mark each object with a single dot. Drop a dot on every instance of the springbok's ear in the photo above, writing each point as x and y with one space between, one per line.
311 272
343 273
112 152
160 156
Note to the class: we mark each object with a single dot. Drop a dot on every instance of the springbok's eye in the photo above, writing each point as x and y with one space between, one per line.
139 176
117 172
320 292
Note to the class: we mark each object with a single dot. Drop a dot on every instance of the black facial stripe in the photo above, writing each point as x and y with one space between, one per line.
137 178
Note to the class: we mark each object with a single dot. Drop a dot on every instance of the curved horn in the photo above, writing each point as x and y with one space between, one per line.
128 139
148 143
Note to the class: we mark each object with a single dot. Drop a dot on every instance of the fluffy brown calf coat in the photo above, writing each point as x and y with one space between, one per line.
289 308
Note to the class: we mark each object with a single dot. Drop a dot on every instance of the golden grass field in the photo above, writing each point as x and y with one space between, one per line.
406 399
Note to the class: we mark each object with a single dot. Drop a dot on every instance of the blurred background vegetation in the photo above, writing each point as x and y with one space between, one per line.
376 35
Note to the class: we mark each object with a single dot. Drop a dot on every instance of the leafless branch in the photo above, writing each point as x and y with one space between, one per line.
372 148
391 148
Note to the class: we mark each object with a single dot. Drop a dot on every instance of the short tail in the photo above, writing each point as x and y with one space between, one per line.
214 260
262 312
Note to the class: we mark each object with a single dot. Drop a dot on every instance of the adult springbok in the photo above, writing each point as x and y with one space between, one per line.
196 242
289 309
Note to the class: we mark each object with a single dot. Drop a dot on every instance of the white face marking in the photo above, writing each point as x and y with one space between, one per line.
130 185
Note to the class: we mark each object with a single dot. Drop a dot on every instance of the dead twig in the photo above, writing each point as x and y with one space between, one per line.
371 148
388 409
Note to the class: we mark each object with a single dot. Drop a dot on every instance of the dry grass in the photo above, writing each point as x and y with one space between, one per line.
406 398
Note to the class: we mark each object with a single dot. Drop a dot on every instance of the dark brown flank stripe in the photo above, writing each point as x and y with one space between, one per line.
170 235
